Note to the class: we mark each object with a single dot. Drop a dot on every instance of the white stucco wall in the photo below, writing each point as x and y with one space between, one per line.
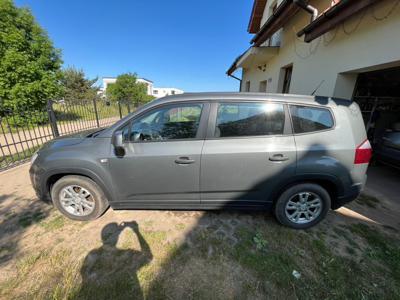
159 92
334 58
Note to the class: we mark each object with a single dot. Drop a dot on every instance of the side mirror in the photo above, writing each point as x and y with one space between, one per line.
137 136
118 142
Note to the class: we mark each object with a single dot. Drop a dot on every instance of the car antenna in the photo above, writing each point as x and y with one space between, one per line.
312 94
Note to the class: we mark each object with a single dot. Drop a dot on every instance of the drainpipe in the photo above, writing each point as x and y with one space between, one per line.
308 8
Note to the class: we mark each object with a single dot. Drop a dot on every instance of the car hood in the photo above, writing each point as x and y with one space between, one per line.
68 140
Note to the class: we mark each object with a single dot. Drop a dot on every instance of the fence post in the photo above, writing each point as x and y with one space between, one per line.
120 110
52 118
95 112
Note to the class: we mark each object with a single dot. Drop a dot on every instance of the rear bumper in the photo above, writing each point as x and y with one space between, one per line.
351 195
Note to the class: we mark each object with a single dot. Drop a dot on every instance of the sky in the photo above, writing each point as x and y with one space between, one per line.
185 44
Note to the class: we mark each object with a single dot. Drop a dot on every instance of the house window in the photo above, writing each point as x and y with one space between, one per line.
287 79
263 86
172 92
247 87
155 92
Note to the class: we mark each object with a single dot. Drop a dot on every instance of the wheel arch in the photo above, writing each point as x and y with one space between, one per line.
329 182
53 176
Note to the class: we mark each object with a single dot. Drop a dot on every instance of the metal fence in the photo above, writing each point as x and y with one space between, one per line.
23 132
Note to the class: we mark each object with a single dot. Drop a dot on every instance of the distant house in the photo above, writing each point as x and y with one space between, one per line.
157 92
110 80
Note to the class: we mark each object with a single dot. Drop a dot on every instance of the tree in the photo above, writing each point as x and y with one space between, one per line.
76 87
29 64
127 90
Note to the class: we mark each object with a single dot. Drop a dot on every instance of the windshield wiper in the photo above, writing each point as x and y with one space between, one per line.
96 133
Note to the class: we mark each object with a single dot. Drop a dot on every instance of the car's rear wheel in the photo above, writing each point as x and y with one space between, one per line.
302 206
79 198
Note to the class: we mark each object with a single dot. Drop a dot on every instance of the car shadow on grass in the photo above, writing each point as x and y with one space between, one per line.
236 255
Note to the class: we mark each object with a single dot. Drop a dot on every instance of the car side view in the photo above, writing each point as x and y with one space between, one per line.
298 156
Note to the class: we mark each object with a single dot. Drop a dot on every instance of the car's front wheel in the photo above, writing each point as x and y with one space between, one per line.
79 198
302 206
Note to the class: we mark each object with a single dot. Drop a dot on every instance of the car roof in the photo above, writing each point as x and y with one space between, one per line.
218 96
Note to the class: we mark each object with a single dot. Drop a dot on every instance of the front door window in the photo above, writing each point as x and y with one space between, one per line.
173 122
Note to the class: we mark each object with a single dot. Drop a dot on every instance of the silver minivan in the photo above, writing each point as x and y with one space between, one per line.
298 156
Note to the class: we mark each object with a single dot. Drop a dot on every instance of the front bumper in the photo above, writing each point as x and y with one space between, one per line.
36 176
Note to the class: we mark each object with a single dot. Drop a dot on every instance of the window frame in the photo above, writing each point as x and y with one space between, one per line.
287 80
212 122
201 131
247 86
311 106
262 83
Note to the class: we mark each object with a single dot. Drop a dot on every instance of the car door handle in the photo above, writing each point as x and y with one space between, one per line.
184 160
278 157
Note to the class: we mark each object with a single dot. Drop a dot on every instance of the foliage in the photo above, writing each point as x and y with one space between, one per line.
128 90
261 243
29 64
76 87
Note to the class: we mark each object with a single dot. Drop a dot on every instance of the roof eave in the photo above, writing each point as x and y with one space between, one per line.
256 16
283 13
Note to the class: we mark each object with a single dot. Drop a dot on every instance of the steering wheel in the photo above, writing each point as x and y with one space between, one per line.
146 132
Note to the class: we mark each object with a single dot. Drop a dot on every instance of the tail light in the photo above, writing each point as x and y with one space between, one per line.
363 153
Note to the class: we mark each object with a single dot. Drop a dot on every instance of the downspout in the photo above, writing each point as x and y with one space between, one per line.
308 8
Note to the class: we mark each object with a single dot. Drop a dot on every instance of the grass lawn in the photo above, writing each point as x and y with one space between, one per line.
195 255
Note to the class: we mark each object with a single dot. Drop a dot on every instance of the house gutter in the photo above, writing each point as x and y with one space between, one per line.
260 37
336 14
237 78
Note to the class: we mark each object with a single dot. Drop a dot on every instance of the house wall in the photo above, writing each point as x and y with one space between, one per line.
334 59
149 85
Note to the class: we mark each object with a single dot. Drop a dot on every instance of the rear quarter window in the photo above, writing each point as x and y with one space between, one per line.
310 119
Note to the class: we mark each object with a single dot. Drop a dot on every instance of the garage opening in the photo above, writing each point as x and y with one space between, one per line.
378 94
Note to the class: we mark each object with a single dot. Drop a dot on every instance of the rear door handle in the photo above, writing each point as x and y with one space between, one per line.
184 160
278 157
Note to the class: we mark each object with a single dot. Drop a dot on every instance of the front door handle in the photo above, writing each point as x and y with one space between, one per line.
184 160
278 157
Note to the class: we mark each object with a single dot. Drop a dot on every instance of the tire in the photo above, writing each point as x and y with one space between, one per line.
93 202
296 194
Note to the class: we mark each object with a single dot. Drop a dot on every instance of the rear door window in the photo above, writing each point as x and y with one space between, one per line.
310 119
249 119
